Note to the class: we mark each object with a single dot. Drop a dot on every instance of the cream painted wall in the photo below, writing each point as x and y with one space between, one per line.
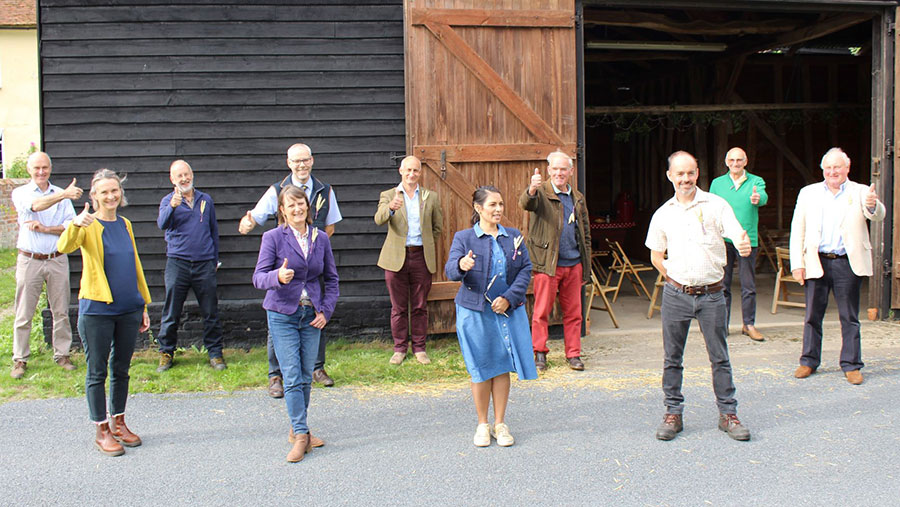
19 94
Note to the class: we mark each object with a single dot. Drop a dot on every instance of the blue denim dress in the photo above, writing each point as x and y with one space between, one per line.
491 343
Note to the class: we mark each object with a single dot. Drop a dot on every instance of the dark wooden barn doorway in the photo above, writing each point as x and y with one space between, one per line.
784 80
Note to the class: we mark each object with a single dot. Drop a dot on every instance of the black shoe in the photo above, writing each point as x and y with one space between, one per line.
730 424
672 425
575 363
165 362
322 378
217 363
540 361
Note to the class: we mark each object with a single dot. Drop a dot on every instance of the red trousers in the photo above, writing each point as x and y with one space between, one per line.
409 289
568 282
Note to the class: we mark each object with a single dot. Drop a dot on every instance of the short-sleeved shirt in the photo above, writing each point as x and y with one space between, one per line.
60 213
268 203
693 235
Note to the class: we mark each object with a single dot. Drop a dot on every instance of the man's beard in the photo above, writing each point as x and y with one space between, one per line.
186 188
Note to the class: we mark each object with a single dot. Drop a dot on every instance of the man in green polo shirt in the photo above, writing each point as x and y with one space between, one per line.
745 193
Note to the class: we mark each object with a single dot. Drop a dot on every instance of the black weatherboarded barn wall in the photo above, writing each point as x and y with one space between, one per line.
228 85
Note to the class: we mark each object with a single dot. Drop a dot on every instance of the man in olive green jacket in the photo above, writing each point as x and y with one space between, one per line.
414 219
559 244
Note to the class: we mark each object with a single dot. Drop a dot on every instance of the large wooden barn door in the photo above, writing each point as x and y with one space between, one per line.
490 92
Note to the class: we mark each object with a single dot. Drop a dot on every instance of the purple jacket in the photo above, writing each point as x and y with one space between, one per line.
279 244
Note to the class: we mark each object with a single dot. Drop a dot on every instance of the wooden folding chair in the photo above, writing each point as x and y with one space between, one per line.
657 288
783 276
597 289
597 264
626 269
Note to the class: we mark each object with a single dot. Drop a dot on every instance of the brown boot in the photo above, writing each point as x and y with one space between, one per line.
301 447
121 432
313 441
105 442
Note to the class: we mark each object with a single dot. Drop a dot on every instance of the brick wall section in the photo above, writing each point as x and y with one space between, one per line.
9 229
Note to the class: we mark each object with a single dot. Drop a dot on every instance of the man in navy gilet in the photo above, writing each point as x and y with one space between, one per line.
325 212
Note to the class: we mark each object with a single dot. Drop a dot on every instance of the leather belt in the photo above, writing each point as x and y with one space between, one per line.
40 257
832 255
306 302
414 248
696 290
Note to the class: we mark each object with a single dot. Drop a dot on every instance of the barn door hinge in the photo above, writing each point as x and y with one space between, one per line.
443 164
888 148
579 19
397 156
891 27
579 150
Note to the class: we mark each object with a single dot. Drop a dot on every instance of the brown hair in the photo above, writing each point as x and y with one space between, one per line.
296 193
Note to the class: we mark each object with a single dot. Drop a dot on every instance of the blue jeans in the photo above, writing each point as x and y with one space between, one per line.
102 336
275 370
678 309
295 343
182 275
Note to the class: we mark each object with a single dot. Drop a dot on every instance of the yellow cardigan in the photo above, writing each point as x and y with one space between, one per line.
94 285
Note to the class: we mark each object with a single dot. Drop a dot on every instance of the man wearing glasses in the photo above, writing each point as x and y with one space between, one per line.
323 208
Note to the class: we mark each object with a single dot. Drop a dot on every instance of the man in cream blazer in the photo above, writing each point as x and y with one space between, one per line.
830 251
414 218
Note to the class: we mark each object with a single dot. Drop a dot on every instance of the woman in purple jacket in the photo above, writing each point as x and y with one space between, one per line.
296 268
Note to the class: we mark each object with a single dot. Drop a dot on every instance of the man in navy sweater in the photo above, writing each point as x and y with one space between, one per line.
188 217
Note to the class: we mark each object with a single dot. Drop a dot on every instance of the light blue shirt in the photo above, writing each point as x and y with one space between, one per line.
479 232
413 220
268 204
60 213
832 214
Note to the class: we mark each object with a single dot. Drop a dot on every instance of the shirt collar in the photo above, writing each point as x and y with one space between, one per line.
33 187
479 233
400 187
828 189
558 191
299 234
699 196
736 183
296 183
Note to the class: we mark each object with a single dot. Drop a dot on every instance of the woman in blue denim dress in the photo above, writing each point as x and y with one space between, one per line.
494 334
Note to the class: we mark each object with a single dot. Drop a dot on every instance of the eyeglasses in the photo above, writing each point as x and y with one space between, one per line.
301 160
488 298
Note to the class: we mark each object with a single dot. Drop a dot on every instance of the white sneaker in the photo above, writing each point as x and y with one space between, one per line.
482 435
501 433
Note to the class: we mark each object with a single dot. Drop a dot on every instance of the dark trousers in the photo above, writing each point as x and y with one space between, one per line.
181 276
841 279
408 289
275 369
678 309
105 337
747 266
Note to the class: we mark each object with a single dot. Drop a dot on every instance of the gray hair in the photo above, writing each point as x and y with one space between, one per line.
301 145
109 174
558 153
833 151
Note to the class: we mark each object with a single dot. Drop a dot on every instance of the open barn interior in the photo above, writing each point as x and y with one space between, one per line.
785 86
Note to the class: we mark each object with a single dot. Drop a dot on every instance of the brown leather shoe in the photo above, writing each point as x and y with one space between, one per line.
540 361
753 333
804 371
575 363
121 432
322 377
301 447
18 370
313 441
730 424
65 363
105 442
670 427
276 388
854 377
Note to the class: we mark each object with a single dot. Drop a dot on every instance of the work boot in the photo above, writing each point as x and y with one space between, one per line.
105 442
165 362
672 425
301 447
730 424
217 363
121 432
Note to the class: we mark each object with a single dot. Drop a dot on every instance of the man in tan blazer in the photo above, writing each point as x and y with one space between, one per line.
830 251
414 219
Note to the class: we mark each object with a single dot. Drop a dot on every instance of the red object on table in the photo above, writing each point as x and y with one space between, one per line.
613 231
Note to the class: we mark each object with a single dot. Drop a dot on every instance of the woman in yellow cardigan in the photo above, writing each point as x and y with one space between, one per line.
110 316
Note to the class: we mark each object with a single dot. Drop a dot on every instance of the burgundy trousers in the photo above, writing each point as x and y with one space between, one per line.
409 295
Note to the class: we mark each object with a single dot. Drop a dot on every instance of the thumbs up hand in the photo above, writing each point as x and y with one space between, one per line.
467 262
177 197
871 197
743 245
85 218
536 182
754 197
285 274
247 223
397 201
72 191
